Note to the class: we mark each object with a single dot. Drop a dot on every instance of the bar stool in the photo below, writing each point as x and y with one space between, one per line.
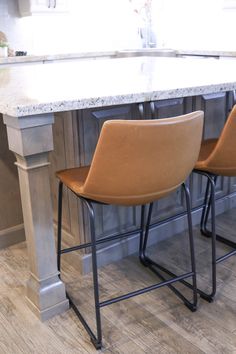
217 158
135 163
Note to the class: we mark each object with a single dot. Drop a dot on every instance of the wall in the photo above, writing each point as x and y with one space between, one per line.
90 25
11 219
113 24
194 24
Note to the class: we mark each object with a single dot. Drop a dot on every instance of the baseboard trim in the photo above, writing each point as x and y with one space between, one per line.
12 235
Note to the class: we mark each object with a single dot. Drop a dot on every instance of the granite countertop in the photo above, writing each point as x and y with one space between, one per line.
37 89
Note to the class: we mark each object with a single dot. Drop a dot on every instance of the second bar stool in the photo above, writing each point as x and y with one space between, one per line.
135 163
217 158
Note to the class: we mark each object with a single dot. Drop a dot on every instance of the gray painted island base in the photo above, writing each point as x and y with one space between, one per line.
45 291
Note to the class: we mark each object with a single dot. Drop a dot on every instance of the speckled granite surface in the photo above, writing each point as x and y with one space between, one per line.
37 89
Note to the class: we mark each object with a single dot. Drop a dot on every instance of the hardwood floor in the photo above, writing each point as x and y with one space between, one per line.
156 322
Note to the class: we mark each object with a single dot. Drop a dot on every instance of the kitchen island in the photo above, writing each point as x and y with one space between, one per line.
32 98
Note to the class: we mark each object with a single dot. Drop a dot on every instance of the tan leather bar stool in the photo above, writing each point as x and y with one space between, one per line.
217 158
135 163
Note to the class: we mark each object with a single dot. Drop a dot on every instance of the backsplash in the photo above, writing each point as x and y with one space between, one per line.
195 24
89 26
97 25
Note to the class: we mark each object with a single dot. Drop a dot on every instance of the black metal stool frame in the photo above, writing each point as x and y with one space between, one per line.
209 205
146 261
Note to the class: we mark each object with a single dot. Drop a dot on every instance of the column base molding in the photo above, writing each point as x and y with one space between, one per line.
49 312
46 297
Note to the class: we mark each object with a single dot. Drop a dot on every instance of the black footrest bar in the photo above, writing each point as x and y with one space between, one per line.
219 238
146 289
190 306
223 240
151 264
205 296
101 240
227 255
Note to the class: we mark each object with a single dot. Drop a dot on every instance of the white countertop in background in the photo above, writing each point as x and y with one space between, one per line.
52 57
85 55
117 54
37 89
208 53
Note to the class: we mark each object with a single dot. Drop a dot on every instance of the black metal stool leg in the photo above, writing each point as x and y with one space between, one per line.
206 232
153 266
213 238
210 205
206 209
144 232
147 229
59 221
96 341
191 243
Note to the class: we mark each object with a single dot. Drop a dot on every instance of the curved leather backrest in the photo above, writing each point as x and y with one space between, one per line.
222 160
139 161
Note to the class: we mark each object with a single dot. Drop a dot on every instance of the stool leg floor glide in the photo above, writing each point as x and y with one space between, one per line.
146 261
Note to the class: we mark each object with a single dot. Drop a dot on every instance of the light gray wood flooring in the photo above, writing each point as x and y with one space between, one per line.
156 322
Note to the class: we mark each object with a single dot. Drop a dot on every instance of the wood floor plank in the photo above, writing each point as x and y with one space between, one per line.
33 336
155 322
223 313
207 334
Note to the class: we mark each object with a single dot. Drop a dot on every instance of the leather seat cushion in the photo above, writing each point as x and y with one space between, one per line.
74 178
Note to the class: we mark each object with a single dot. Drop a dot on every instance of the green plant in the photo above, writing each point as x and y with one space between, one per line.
3 44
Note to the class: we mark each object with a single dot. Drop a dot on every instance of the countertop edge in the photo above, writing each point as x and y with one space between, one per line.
63 106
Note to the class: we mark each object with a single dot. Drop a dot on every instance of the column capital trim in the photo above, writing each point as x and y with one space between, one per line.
28 121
